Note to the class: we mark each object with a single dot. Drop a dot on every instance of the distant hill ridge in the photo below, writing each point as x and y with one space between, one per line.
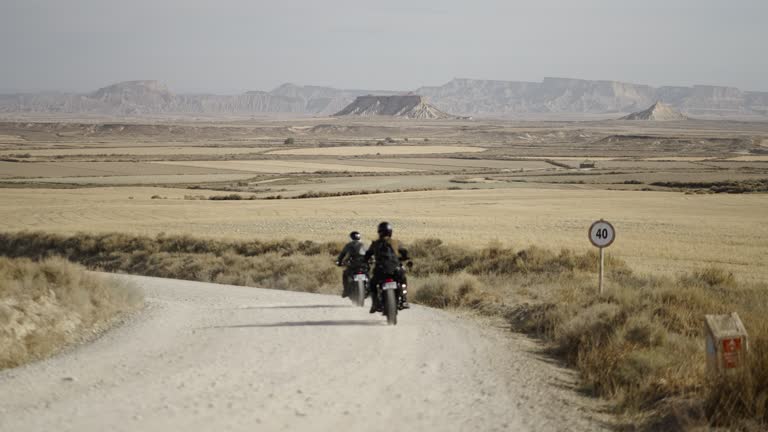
657 112
459 96
402 106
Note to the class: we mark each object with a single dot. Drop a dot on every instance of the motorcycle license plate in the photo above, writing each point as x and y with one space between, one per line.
361 277
389 286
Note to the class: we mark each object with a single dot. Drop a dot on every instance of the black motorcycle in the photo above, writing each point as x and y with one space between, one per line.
390 292
356 284
359 287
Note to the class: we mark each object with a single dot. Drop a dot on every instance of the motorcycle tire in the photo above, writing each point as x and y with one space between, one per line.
391 307
360 293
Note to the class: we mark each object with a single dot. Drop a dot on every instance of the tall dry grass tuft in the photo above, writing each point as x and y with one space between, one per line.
46 305
442 291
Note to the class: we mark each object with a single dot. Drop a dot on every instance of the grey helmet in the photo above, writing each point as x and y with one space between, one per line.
355 236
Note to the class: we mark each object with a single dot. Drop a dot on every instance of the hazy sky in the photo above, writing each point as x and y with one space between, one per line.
235 45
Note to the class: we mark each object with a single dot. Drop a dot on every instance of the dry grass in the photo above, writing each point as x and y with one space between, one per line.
640 344
277 166
47 305
101 169
287 264
169 151
375 150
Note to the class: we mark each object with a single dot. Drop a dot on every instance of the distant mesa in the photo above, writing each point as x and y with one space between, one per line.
657 112
402 106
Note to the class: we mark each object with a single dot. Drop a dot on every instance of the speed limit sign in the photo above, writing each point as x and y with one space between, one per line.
602 234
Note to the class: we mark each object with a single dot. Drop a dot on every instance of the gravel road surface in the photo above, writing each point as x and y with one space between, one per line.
207 357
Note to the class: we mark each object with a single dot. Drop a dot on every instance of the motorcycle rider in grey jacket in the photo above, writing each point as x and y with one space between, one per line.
354 251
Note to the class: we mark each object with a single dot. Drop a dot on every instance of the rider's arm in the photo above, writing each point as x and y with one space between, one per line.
343 254
369 252
403 253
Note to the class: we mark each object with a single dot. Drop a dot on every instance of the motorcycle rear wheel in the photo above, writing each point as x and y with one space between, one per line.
360 293
391 307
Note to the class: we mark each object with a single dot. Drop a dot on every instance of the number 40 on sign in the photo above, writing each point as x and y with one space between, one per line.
602 235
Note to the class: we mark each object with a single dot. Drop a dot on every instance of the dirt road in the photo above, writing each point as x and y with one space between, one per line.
205 357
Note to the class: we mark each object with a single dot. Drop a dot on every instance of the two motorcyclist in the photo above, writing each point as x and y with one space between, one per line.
389 256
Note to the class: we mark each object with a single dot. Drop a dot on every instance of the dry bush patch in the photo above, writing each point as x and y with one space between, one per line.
47 305
744 186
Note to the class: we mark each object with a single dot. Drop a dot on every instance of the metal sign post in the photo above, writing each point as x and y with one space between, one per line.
602 234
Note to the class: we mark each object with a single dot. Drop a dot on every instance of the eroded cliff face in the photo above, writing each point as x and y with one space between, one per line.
151 97
657 112
402 106
565 95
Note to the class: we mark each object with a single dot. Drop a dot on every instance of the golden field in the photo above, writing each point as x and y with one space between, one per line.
657 232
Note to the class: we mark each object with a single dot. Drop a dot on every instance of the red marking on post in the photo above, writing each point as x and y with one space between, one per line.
731 351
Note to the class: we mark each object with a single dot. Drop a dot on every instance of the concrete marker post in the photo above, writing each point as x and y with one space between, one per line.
727 343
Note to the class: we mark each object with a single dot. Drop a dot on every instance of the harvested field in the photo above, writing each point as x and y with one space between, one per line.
139 151
658 232
278 166
607 178
631 163
117 180
378 150
93 169
754 158
449 164
10 138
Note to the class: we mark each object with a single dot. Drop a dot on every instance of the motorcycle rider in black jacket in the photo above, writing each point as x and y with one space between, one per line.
389 255
355 251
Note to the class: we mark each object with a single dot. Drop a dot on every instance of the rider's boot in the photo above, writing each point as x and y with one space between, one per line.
404 304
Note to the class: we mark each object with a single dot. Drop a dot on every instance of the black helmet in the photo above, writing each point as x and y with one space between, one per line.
354 235
385 229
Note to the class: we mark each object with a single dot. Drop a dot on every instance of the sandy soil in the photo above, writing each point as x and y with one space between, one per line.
205 357
373 150
448 164
279 167
74 169
10 138
754 158
657 232
141 151
135 180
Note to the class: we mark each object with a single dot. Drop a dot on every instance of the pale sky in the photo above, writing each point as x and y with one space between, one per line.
229 46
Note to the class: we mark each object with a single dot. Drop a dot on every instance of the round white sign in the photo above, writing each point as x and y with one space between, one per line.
602 234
